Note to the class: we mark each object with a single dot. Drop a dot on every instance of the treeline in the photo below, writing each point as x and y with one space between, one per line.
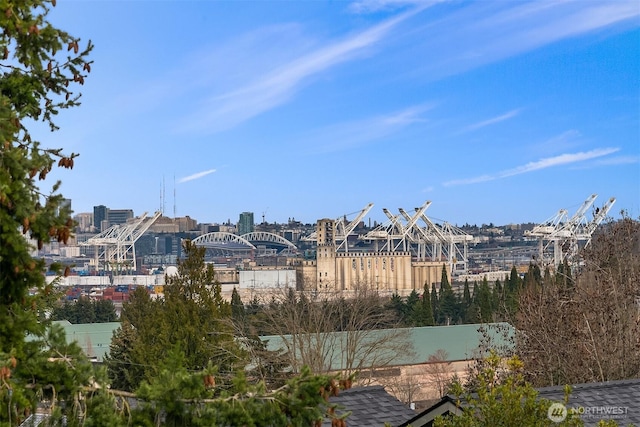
436 305
85 310
478 303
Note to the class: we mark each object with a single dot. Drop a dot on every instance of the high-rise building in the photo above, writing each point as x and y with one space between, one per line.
119 216
84 222
100 217
245 224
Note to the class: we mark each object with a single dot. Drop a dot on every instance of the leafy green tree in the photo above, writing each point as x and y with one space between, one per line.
40 68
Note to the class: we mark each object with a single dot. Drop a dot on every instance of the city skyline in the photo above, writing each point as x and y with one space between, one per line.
498 112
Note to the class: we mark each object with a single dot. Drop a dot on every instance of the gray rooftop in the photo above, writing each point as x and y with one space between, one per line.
617 400
611 400
370 407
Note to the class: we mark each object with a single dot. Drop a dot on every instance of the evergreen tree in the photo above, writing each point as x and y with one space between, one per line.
466 295
125 373
105 311
85 311
533 277
400 308
497 298
41 69
427 308
484 302
512 292
435 304
448 312
237 309
464 302
193 318
514 281
472 313
414 313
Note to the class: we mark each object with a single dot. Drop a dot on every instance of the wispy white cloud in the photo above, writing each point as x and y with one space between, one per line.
196 176
564 141
618 160
225 111
480 33
349 135
584 19
493 120
562 159
369 6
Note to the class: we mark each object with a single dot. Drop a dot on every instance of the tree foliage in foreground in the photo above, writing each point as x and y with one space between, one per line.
177 397
503 398
40 69
582 327
192 318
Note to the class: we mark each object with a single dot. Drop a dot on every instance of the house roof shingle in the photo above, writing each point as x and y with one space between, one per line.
370 406
616 400
619 400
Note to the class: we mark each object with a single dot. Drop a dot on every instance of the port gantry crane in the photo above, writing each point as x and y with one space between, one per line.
431 242
343 229
115 247
561 237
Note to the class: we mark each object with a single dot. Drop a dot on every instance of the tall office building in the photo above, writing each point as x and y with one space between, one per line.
100 217
245 224
119 216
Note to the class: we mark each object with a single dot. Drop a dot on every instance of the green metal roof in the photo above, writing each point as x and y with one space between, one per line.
461 342
93 338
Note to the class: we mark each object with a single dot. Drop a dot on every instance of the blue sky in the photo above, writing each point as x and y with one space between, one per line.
496 111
